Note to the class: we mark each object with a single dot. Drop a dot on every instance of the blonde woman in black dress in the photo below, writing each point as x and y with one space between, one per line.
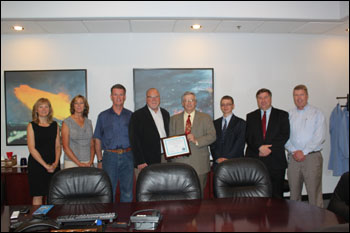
44 145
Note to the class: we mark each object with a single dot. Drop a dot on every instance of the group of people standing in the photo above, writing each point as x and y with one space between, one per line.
133 140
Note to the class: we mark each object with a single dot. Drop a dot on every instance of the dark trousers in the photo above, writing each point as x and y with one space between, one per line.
277 180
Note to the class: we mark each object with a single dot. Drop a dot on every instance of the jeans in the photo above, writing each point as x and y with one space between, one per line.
120 167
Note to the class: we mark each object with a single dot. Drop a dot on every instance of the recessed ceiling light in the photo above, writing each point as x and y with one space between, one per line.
196 26
18 28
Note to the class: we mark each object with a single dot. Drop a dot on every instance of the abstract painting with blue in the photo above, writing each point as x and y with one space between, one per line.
24 88
172 84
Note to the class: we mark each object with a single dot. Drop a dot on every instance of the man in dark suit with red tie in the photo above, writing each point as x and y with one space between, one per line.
266 134
230 133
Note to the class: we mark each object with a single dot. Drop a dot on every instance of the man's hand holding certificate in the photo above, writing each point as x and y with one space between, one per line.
176 146
191 138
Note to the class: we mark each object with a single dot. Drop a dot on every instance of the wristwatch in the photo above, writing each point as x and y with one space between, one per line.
99 161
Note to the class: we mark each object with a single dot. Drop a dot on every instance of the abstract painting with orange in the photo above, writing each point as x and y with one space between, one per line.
24 88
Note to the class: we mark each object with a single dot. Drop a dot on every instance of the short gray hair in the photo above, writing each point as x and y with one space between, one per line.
187 93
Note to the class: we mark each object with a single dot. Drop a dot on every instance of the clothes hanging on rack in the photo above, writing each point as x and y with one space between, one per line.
347 102
339 131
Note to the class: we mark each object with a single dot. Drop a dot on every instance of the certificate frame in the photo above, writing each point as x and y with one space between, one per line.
180 141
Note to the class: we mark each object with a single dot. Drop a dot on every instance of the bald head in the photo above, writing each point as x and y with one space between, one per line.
153 99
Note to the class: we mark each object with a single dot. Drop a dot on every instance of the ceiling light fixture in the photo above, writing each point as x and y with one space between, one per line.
196 26
18 28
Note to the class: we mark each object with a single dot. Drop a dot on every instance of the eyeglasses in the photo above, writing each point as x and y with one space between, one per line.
153 97
226 105
189 101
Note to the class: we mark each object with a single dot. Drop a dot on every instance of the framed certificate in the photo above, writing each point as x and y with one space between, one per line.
175 146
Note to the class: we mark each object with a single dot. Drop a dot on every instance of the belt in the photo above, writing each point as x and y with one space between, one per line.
312 152
120 151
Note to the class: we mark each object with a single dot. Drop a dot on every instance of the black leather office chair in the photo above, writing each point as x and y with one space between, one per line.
80 185
2 193
167 181
242 177
339 203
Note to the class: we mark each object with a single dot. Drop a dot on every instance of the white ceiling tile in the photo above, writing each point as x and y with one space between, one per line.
30 27
278 27
173 25
316 27
63 26
185 25
238 26
107 26
152 25
340 30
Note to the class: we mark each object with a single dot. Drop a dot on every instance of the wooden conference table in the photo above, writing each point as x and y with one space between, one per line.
227 214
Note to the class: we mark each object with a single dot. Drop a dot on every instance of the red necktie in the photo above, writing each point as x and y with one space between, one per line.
188 125
263 124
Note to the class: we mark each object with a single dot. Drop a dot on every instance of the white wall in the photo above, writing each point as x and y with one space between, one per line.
242 64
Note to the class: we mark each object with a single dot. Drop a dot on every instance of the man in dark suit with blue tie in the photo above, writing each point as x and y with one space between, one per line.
230 133
267 133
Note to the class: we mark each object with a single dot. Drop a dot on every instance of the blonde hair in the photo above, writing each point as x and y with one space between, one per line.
86 105
301 87
35 116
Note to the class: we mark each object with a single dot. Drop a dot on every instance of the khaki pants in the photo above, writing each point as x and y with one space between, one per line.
203 182
310 172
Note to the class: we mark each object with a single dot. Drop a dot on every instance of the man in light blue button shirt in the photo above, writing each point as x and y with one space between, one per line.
307 136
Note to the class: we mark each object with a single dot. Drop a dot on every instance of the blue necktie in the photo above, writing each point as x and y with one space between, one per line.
225 126
224 130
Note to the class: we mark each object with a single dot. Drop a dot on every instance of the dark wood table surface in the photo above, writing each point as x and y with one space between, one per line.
227 214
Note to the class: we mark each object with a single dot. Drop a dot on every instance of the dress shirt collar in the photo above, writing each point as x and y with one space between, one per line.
192 116
307 107
152 111
268 111
228 119
111 110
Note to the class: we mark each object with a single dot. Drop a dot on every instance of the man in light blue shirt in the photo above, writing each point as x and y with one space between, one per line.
307 136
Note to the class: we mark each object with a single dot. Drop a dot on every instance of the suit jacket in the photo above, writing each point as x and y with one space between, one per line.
277 134
232 146
204 131
144 136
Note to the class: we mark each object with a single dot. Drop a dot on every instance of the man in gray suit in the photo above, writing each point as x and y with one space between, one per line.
200 132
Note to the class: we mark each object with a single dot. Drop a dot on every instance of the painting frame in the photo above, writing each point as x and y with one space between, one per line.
172 83
24 87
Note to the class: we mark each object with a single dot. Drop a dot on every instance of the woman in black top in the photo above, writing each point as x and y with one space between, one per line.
44 145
